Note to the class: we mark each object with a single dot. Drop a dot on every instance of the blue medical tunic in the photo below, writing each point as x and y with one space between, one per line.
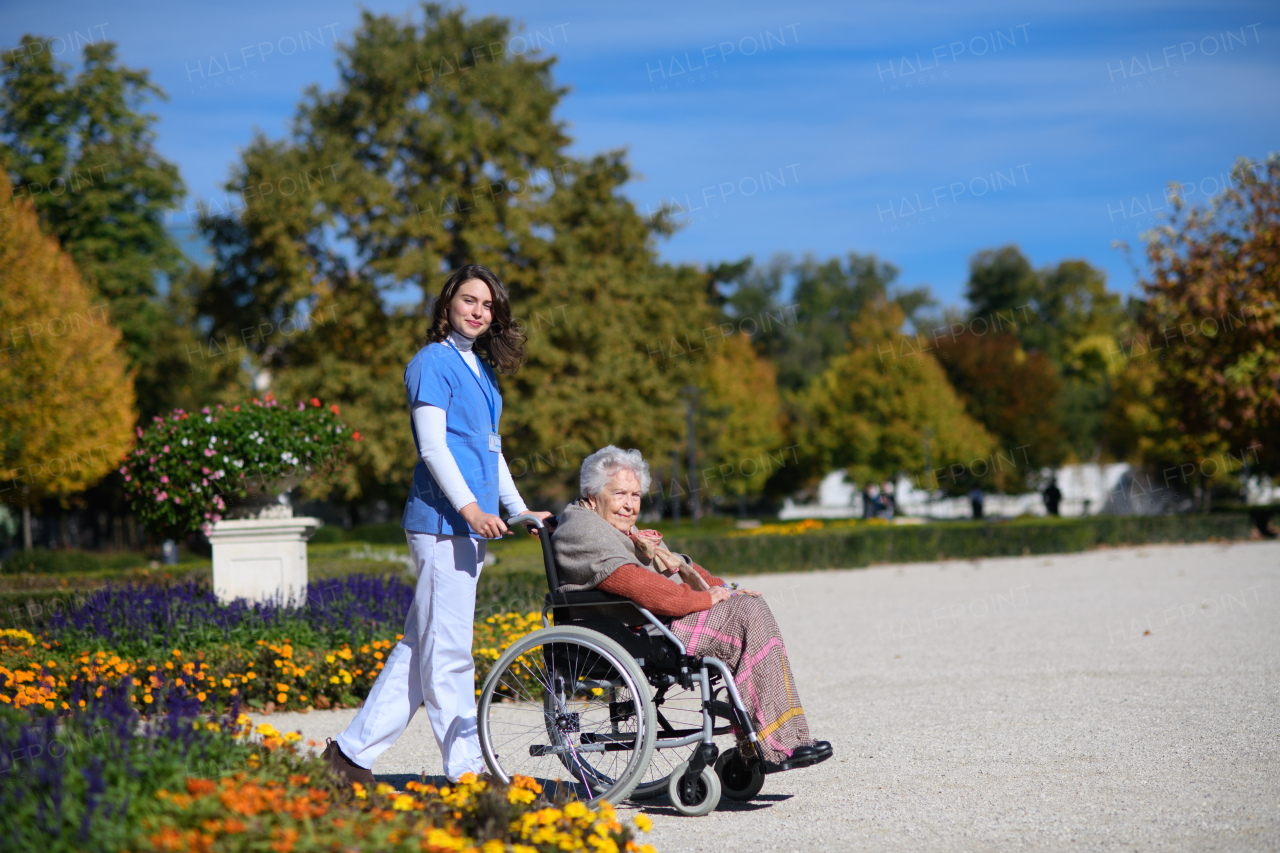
438 376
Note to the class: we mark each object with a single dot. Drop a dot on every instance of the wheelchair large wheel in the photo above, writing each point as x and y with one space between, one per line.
568 704
677 711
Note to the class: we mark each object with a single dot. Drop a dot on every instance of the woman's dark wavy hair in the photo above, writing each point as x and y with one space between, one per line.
502 344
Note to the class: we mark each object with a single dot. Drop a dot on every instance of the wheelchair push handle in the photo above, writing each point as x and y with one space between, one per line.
526 518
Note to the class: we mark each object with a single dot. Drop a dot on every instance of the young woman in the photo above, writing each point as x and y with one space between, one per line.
452 509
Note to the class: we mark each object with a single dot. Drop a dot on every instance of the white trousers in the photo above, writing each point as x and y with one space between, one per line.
432 664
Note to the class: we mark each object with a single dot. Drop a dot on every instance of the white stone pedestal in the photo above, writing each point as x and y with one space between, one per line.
262 559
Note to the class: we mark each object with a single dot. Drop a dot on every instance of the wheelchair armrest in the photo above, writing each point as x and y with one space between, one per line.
591 597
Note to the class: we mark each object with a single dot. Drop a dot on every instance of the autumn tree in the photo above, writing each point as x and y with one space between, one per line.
66 399
1063 313
1208 343
83 152
743 436
878 419
1014 394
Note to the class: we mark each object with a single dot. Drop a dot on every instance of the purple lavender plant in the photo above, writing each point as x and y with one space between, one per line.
70 784
136 618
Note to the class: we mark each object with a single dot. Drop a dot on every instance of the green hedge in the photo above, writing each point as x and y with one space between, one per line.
865 546
390 533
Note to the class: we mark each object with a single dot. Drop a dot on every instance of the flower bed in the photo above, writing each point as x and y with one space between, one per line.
265 675
103 779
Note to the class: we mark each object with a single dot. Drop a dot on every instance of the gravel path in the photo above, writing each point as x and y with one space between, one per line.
1122 699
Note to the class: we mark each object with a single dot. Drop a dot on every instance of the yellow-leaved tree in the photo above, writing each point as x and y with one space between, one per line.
744 437
66 398
872 415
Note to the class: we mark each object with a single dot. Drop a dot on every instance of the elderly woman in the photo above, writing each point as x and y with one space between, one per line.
597 546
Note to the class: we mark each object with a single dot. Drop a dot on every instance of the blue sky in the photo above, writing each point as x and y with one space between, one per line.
920 132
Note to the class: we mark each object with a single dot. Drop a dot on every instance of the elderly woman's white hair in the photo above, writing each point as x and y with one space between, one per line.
598 469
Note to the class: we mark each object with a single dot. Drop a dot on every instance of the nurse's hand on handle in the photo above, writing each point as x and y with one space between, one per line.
542 514
488 526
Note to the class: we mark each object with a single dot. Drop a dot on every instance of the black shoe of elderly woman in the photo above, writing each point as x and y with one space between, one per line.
802 756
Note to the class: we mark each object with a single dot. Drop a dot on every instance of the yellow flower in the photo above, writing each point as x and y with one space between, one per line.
644 823
438 839
520 796
384 789
404 803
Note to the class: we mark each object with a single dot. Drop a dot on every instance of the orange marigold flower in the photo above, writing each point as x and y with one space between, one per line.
200 787
288 837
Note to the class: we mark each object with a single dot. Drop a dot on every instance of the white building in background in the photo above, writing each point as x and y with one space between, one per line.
1112 489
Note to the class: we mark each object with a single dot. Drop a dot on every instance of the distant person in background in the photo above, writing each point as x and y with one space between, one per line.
975 500
871 501
1052 496
887 501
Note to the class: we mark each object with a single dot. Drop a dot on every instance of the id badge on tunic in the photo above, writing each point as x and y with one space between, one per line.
495 442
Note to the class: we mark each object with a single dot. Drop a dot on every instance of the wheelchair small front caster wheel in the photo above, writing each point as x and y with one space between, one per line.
737 780
697 797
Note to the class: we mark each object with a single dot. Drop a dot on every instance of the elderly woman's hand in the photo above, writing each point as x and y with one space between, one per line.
650 537
719 594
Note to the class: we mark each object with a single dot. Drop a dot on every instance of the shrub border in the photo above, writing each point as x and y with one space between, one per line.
870 545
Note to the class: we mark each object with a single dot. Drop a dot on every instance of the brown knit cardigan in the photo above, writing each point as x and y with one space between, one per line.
657 593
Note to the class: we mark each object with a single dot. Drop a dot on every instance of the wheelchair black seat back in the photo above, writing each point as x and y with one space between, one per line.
614 616
608 697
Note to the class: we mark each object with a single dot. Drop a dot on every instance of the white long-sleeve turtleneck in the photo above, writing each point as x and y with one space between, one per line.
431 426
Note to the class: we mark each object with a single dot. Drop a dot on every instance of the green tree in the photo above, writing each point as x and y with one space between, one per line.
1001 281
874 418
66 399
801 310
428 155
84 153
1078 325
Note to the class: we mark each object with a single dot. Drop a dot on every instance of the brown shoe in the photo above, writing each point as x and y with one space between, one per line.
344 768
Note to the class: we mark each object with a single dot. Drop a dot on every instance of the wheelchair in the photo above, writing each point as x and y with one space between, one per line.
608 702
